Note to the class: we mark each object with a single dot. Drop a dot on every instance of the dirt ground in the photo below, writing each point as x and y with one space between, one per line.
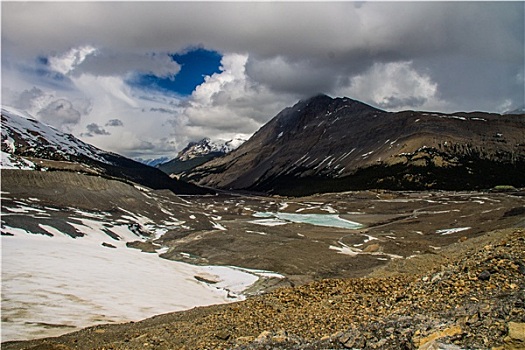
395 226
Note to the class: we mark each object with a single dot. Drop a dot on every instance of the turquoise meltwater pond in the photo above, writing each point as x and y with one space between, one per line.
328 220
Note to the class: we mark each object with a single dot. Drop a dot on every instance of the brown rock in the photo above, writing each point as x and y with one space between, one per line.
372 248
435 345
245 340
263 337
516 336
447 332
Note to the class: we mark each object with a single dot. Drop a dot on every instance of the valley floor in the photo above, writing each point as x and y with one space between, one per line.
392 269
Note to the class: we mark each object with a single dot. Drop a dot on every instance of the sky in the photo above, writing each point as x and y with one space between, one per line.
145 78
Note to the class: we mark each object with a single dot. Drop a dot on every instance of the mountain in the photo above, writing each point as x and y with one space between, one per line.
29 144
152 161
520 110
198 153
326 145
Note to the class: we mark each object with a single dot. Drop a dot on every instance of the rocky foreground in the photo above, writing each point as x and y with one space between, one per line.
469 296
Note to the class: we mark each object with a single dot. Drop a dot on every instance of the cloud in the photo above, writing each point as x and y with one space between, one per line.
443 56
162 110
114 122
300 76
394 86
61 114
105 63
69 60
229 103
95 129
335 31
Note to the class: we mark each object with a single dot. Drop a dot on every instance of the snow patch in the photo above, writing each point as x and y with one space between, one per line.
10 161
218 226
269 222
449 231
76 283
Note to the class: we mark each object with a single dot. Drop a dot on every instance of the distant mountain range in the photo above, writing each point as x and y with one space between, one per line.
318 145
152 161
326 145
198 153
520 110
29 144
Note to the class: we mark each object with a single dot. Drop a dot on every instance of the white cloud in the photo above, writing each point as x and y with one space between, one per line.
394 86
69 60
144 129
229 103
418 55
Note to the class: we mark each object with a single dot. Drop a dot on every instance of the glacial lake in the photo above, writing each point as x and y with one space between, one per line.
327 220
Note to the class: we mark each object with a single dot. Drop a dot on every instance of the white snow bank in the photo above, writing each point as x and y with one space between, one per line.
10 161
74 283
448 231
268 222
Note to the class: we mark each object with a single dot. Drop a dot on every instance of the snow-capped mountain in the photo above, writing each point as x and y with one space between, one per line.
520 110
324 144
197 153
152 161
207 146
29 144
24 136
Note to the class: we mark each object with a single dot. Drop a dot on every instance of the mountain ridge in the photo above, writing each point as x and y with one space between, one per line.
34 145
325 144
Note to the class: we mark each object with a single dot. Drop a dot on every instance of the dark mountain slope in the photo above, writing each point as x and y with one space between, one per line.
324 145
37 146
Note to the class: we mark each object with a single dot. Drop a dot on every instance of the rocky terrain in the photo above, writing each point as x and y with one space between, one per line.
422 268
469 295
332 145
395 225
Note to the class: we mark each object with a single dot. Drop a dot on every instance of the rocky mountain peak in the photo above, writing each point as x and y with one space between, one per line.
207 146
328 144
320 107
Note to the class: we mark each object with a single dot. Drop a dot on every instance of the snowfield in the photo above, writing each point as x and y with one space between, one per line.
55 285
39 135
10 161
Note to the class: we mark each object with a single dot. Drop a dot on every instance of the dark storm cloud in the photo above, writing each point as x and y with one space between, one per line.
442 56
301 48
295 30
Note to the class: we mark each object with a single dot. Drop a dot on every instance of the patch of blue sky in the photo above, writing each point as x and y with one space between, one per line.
46 76
195 65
